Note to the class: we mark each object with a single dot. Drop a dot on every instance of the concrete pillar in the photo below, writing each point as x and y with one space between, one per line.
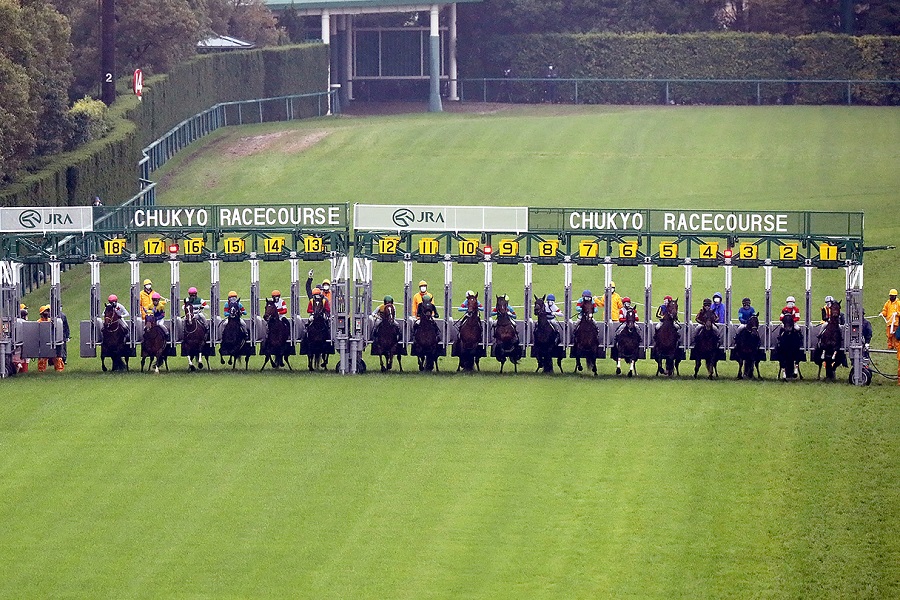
434 98
454 88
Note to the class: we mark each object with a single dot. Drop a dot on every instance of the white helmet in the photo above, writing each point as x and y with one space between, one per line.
470 294
790 299
829 299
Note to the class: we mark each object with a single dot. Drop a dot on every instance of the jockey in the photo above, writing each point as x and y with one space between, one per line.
159 312
509 309
707 305
147 298
626 306
718 307
426 306
744 313
385 309
418 297
318 293
464 306
551 308
325 286
280 305
891 315
826 310
791 307
198 305
233 301
615 300
120 310
587 298
661 311
58 363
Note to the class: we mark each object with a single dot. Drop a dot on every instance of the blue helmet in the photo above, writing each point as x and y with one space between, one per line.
587 293
551 297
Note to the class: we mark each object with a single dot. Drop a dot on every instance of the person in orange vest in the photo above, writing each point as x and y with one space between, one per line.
417 298
42 362
20 362
325 286
891 315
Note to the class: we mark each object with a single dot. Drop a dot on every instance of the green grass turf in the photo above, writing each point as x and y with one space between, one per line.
410 486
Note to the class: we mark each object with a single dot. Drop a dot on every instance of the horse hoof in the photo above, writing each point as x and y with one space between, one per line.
619 371
630 374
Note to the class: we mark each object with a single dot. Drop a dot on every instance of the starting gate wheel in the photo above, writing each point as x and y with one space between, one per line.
865 377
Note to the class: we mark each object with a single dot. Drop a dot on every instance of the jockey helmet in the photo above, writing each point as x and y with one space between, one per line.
112 298
790 299
232 294
148 282
192 290
317 291
587 294
717 295
155 296
829 299
668 298
612 284
427 298
551 297
626 299
276 293
470 294
45 308
707 302
388 299
893 292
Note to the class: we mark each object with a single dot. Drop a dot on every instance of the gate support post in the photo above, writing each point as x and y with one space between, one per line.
728 340
254 298
767 271
567 300
648 299
295 294
448 298
136 316
688 312
489 300
810 345
10 279
408 317
56 333
853 339
96 308
607 303
529 302
175 318
214 303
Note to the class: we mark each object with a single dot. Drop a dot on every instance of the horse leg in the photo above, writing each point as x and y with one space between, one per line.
577 364
103 363
400 362
381 362
265 362
740 374
618 366
631 370
593 364
191 367
697 367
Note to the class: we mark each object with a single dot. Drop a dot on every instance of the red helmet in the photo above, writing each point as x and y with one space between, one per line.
113 298
626 299
668 298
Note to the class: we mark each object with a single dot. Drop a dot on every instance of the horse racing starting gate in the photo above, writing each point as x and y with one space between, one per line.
597 239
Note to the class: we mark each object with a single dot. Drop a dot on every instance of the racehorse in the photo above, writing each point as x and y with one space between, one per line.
828 348
235 339
114 340
386 344
666 342
276 345
194 342
315 344
706 345
468 346
545 345
506 338
628 344
153 346
586 340
746 349
425 339
788 348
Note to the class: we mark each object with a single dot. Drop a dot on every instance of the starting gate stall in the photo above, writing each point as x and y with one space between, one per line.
430 234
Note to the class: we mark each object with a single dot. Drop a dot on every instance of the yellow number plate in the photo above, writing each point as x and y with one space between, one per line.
273 245
114 247
668 250
508 248
548 248
588 249
828 252
388 245
629 250
709 251
154 246
468 247
313 244
428 246
748 252
235 245
788 252
193 245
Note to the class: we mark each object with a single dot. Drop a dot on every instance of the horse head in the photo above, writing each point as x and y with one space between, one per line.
318 305
472 306
787 321
708 318
110 315
234 310
389 314
539 304
188 311
630 317
502 306
753 323
149 322
587 308
834 315
271 309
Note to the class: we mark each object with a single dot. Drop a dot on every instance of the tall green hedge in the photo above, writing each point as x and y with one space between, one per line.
108 167
691 56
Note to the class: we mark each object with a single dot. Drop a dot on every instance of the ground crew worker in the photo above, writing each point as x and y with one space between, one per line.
891 315
19 360
615 300
417 298
147 298
718 307
42 362
325 286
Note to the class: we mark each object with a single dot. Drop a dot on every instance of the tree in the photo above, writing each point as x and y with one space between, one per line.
153 35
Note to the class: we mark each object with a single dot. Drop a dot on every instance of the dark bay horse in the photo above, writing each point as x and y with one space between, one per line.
235 342
667 342
829 350
114 340
316 345
276 346
506 344
788 349
586 340
628 344
746 350
545 346
706 345
195 336
425 339
468 346
153 346
386 343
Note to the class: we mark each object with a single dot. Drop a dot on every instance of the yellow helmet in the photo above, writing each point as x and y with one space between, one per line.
423 282
23 307
45 308
148 282
612 284
326 282
232 294
893 292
